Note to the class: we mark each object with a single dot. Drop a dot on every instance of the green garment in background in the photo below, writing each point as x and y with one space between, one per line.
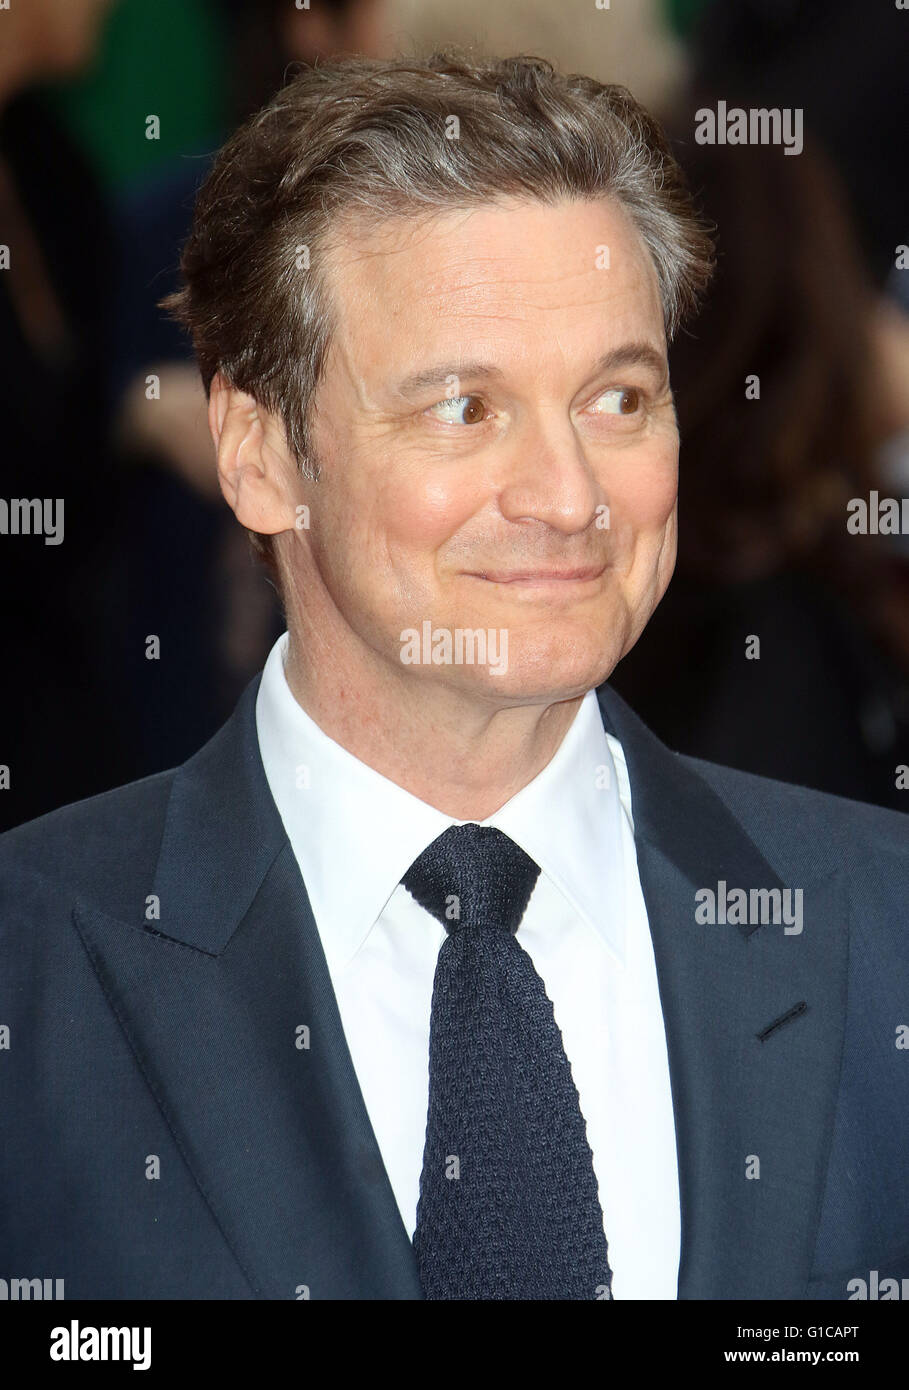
167 59
683 15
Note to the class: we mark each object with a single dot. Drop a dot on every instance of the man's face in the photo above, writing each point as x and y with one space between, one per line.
498 448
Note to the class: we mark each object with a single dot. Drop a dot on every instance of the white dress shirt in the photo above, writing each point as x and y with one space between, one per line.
355 834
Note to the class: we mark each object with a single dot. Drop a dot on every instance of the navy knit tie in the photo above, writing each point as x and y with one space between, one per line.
508 1203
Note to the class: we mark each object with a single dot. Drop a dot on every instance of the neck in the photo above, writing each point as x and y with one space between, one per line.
460 753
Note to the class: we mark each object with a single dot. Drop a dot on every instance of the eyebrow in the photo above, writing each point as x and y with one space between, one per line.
628 355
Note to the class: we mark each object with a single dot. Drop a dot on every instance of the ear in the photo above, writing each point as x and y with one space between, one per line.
258 475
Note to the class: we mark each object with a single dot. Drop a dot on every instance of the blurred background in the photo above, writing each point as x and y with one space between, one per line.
110 113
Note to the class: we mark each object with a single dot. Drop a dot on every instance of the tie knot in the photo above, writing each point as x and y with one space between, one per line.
473 876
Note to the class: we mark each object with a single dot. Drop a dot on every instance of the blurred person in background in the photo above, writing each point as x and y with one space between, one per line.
192 576
633 45
59 733
764 488
844 63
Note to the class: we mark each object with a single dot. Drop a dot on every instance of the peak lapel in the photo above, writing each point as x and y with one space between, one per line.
754 1027
275 1133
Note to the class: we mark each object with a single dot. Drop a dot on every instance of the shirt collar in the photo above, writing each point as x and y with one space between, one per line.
355 833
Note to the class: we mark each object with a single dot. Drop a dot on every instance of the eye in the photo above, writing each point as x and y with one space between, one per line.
621 400
460 410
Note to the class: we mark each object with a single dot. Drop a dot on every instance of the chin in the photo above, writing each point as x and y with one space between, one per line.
564 677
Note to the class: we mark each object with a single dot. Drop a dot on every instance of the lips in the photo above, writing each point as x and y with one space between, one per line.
542 576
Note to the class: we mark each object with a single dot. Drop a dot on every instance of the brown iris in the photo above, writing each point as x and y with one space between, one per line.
474 410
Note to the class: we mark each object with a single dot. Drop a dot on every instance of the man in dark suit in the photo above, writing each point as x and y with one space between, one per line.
434 973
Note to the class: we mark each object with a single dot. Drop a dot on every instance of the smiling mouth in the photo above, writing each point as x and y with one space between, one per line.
552 576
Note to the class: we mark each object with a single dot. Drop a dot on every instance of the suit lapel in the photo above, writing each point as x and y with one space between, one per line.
754 1027
214 1000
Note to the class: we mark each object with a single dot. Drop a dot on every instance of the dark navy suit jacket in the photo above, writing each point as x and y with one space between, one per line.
134 1039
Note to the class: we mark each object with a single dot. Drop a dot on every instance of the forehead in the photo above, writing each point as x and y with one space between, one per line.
519 273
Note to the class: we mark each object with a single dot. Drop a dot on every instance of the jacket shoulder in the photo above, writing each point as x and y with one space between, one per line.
800 817
98 848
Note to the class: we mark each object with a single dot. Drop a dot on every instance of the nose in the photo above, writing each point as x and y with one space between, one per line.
549 478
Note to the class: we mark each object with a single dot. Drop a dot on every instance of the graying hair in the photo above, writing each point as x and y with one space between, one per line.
365 137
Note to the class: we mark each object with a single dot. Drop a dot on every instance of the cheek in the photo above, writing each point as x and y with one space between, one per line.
417 516
646 494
